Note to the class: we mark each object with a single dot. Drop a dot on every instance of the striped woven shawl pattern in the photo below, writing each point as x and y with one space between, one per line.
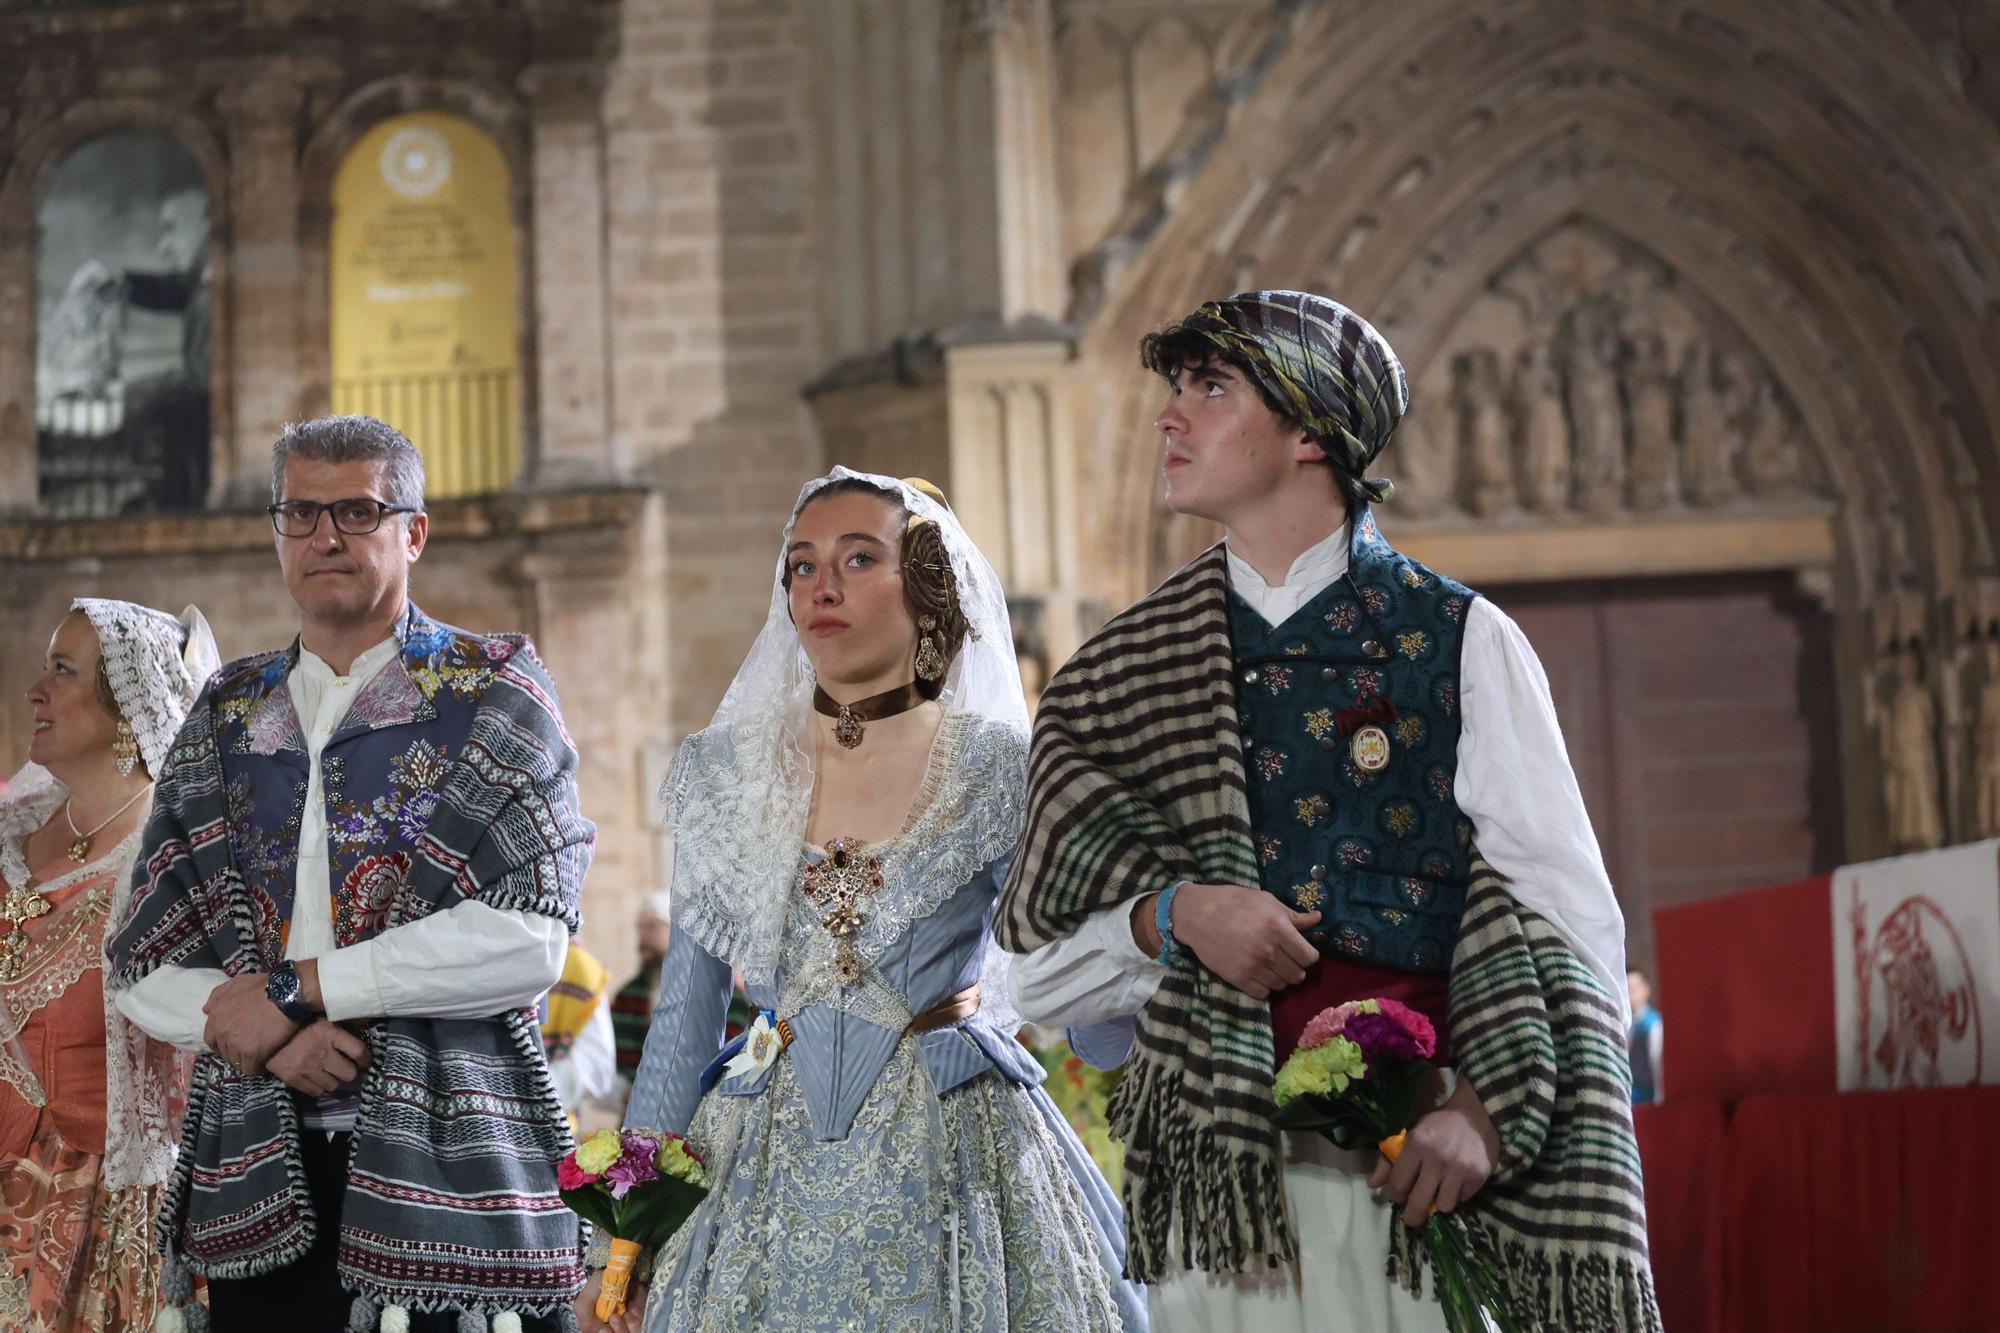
1565 1210
1136 781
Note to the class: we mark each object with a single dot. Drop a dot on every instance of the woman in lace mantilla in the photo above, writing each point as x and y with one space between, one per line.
89 1106
882 1152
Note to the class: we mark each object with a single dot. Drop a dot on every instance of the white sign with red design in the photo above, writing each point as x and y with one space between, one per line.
1916 969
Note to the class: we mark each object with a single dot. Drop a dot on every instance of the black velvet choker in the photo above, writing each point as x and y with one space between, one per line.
847 729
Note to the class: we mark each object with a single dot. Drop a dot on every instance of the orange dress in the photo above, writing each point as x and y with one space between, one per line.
74 1254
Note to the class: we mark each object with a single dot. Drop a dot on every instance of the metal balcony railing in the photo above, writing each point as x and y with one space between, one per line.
463 422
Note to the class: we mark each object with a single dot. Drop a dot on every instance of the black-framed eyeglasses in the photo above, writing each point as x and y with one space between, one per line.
357 517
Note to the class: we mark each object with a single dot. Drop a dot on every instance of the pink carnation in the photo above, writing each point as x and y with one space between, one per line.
1327 1024
1420 1029
570 1176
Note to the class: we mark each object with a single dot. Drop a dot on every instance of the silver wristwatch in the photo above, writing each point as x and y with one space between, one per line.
284 991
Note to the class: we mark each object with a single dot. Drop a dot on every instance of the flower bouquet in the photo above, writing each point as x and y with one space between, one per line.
1355 1078
638 1186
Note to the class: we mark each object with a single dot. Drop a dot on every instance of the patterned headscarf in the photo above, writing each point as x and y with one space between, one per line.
1326 364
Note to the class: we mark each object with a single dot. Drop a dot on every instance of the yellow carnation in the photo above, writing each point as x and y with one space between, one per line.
1325 1070
599 1151
1289 1084
676 1161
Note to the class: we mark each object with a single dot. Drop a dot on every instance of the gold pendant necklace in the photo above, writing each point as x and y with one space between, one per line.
79 850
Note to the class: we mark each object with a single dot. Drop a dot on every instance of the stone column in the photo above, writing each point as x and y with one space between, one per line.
960 288
1006 163
255 351
1013 479
570 442
20 493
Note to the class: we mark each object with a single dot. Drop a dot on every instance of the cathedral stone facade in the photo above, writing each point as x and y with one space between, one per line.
1699 295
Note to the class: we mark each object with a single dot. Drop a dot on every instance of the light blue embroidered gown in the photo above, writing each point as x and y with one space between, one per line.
868 1179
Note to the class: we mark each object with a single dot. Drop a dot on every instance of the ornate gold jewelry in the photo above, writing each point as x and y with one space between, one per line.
930 661
848 718
125 749
21 905
838 886
79 850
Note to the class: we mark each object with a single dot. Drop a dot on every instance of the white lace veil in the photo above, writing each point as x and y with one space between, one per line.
740 791
156 664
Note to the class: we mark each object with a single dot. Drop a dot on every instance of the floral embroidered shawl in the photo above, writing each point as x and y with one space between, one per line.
451 778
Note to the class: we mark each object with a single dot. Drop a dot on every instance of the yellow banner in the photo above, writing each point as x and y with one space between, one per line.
425 324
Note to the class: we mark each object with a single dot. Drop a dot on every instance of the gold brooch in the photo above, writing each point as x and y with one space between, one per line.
838 886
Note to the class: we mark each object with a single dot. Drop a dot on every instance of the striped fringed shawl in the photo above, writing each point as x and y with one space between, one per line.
1532 1027
1136 780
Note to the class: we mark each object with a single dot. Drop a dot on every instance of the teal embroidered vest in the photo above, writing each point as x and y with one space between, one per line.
1383 855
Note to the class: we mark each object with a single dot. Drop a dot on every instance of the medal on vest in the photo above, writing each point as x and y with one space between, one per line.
1370 749
1366 726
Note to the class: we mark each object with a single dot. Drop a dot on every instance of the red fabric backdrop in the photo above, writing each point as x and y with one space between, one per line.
1863 1211
1775 1202
1680 1147
1746 987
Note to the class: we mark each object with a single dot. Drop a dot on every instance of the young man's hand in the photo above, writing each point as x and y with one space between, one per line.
323 1056
1446 1159
244 1027
1245 936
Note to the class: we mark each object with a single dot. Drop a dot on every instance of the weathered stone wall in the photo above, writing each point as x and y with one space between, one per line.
1694 287
662 187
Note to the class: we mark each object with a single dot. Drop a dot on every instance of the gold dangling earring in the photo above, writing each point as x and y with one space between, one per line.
125 749
930 662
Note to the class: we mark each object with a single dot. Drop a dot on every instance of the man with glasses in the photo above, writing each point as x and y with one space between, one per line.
361 873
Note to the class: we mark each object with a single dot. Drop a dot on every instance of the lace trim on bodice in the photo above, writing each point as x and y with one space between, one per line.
70 944
145 1080
968 814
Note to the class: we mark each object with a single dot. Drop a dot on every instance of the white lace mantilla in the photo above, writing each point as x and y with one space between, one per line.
740 793
156 664
969 815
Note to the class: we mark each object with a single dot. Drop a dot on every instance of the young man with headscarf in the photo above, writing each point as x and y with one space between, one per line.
1307 769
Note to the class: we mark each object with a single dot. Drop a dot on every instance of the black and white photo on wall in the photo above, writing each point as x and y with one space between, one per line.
122 329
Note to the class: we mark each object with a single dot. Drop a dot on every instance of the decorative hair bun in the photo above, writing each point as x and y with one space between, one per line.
928 488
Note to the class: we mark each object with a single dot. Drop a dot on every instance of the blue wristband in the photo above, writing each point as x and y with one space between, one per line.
1163 919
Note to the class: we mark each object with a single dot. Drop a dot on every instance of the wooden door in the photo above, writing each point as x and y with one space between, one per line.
1699 716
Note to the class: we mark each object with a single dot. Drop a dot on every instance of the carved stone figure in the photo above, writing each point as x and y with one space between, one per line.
1596 416
1545 450
1421 457
1908 743
1771 456
1709 436
1649 389
1986 746
1487 473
